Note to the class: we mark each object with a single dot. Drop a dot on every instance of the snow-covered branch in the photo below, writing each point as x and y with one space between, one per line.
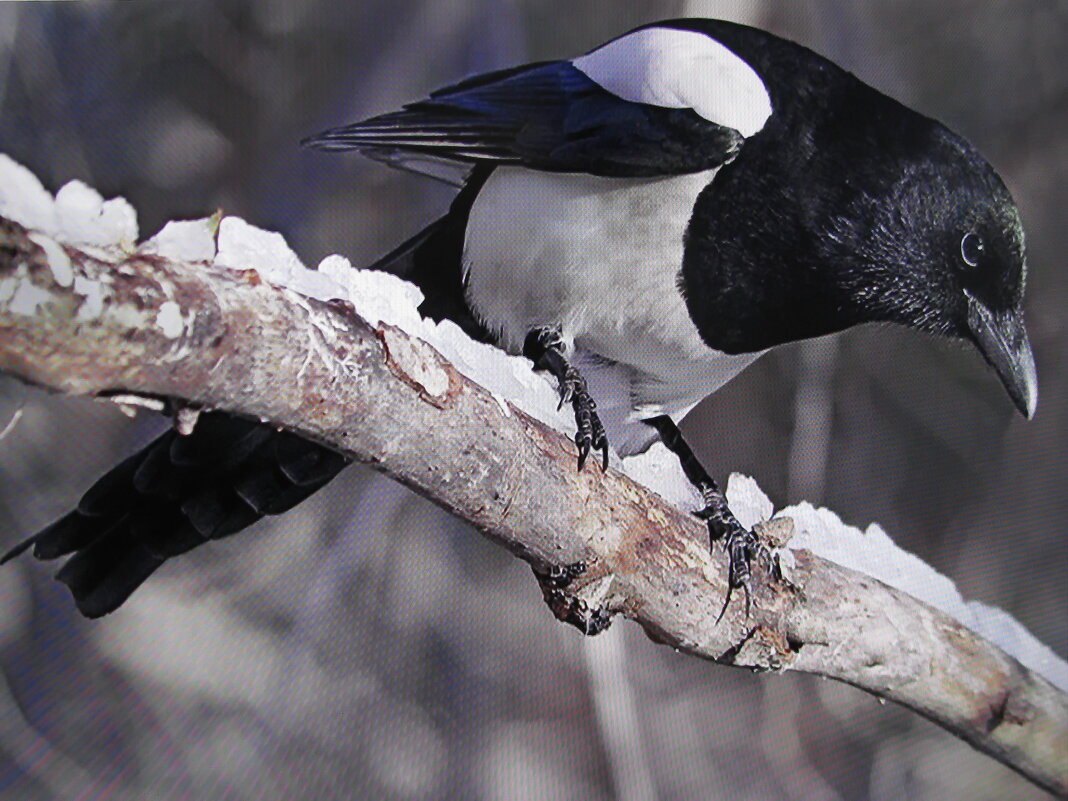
342 356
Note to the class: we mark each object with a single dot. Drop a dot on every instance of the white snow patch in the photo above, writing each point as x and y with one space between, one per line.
381 297
23 198
85 218
58 260
27 297
747 500
78 215
511 377
169 320
873 553
659 470
184 240
502 403
1005 631
376 296
245 247
93 292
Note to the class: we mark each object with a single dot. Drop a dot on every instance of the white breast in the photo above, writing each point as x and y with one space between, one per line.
600 259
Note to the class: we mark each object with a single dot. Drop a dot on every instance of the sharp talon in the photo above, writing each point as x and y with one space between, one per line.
545 347
584 451
726 603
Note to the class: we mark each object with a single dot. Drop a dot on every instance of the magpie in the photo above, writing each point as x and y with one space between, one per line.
643 222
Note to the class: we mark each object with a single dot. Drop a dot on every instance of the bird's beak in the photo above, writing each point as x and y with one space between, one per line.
1002 339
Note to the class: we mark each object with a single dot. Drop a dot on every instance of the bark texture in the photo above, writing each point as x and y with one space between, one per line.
139 326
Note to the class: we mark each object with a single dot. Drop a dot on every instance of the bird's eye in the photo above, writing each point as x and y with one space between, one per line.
971 249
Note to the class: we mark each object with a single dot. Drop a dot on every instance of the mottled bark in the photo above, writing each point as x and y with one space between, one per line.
143 327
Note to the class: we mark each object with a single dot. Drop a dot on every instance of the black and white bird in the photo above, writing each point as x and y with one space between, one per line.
643 222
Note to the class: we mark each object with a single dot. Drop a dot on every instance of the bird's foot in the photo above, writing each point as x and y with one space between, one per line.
741 544
560 576
587 616
545 347
590 434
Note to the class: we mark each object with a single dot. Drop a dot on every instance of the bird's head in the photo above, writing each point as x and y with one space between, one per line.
944 252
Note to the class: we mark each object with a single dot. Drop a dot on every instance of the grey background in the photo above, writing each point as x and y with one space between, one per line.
366 646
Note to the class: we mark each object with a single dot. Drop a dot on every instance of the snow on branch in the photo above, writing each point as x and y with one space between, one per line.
218 314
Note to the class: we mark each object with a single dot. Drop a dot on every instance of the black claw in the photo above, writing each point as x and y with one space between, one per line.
600 441
567 391
595 621
727 600
726 603
590 434
740 544
566 607
545 348
583 444
560 576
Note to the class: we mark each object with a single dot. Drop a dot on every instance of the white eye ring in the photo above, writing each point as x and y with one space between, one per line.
971 248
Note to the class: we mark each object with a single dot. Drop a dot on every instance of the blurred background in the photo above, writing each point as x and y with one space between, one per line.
365 645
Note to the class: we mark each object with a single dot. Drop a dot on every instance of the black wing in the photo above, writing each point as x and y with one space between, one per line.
547 116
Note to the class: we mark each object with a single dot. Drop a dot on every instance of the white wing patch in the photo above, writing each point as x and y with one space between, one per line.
681 69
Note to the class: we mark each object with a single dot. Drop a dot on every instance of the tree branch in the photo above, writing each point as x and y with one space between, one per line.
142 325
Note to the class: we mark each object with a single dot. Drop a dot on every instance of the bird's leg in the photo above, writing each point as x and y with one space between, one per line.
740 543
545 347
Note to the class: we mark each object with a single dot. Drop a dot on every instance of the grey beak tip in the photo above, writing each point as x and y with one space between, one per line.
1002 339
1031 393
1026 378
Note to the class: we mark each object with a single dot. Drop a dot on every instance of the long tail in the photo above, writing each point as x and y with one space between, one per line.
181 491
175 494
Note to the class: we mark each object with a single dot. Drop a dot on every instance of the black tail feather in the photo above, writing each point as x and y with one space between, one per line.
217 511
129 573
65 536
173 495
304 466
104 575
87 569
108 494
